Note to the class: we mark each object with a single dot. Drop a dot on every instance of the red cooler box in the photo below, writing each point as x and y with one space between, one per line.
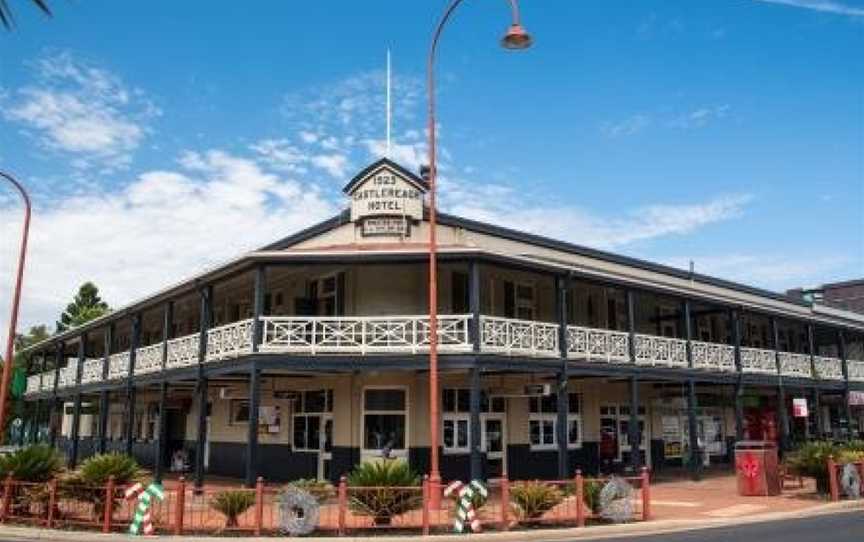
756 466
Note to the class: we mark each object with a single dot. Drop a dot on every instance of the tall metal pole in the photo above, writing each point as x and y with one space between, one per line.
516 30
16 300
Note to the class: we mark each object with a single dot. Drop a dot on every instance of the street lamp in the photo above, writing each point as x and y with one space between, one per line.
515 38
16 298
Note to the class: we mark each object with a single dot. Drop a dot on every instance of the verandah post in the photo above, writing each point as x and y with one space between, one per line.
580 497
180 506
109 505
562 394
646 494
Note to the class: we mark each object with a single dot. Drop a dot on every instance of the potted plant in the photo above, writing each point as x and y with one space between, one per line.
383 490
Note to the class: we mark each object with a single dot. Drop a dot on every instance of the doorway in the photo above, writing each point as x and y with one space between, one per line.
493 441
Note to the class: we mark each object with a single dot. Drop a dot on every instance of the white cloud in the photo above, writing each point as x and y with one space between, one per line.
162 227
701 117
334 164
82 110
824 6
411 156
627 127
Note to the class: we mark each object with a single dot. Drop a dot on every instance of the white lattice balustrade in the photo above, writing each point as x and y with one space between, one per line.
148 359
603 345
796 365
713 356
518 337
660 351
182 351
118 365
229 341
362 335
34 383
758 360
828 368
92 370
855 370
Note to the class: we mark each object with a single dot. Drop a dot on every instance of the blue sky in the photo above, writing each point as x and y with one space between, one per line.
162 137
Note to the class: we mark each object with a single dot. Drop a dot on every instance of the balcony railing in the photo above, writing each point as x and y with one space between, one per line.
229 341
602 345
363 335
518 337
182 351
713 356
829 368
91 371
118 365
148 359
855 370
660 351
410 335
758 360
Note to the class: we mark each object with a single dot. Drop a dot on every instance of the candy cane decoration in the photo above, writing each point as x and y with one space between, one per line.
465 512
142 521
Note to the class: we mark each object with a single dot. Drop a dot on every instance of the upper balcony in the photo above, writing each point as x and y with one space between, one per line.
401 335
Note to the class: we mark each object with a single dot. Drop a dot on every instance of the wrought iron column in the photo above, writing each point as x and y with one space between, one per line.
104 396
695 463
811 346
201 440
781 391
76 412
847 409
252 440
735 324
474 432
633 433
55 424
130 385
258 305
474 304
161 434
561 285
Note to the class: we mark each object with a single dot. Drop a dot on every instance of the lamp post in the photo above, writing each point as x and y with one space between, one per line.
515 38
16 298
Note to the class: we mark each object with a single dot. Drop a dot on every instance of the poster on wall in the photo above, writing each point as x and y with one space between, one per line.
799 407
671 436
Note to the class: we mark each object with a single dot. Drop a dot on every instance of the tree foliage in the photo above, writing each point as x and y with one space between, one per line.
85 306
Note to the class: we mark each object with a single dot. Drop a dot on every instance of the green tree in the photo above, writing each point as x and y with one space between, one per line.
86 306
6 13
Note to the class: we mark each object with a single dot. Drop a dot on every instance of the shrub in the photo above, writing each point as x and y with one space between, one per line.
811 460
32 464
322 491
87 483
533 499
382 490
850 456
591 495
232 503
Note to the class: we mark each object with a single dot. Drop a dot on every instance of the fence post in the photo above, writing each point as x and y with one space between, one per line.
109 505
52 502
180 506
832 479
646 494
7 497
580 499
427 503
343 504
505 504
860 466
259 505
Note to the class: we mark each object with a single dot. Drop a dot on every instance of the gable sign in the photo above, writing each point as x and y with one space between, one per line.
385 192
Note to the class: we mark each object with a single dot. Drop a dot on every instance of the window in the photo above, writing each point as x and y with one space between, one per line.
456 418
310 408
238 410
543 421
385 418
459 291
519 300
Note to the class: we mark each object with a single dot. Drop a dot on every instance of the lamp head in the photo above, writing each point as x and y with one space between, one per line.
516 38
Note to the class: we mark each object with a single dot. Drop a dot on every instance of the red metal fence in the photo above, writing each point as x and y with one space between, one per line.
344 510
835 471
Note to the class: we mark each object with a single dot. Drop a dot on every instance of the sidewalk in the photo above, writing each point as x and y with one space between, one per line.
677 506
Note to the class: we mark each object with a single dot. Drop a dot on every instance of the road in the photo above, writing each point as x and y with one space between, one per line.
840 527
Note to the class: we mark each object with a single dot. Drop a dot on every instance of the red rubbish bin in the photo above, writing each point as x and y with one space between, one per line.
756 466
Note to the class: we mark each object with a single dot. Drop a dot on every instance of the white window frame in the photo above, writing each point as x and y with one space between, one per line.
405 412
541 417
328 411
519 303
455 418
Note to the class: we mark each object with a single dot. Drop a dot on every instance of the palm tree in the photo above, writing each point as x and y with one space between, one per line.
6 18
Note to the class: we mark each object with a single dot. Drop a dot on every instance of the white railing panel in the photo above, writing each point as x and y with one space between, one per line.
660 351
148 359
48 381
593 344
92 370
118 365
713 356
518 337
68 374
34 383
828 368
796 365
363 335
855 370
183 351
758 360
229 341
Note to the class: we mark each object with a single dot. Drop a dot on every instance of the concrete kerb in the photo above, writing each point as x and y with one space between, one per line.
29 534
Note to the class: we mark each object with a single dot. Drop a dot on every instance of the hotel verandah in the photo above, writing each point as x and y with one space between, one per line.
303 358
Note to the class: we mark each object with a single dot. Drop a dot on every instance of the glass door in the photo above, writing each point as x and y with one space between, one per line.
493 442
325 447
